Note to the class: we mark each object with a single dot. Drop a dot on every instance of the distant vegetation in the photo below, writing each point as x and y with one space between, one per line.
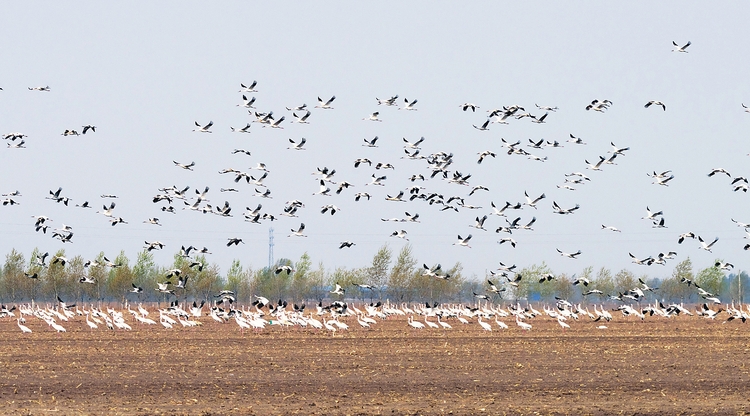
399 279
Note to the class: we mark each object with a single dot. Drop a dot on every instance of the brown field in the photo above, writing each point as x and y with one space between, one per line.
686 365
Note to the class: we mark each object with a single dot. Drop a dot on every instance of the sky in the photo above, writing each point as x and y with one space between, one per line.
144 72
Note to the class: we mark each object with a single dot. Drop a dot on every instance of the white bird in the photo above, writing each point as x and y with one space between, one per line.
409 105
532 203
705 246
204 129
301 119
678 48
719 170
154 221
388 102
325 105
659 223
297 146
246 104
525 326
299 231
276 124
558 210
651 215
479 223
575 140
23 328
663 180
413 324
370 143
400 234
618 150
484 154
414 145
484 325
546 108
539 120
652 102
250 88
338 290
596 166
396 198
569 255
324 190
377 180
373 117
483 126
508 240
463 241
611 228
186 166
683 236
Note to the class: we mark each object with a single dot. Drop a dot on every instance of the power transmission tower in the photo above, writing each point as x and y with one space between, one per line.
270 248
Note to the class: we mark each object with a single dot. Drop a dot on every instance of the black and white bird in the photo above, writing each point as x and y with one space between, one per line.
250 88
409 105
186 166
400 234
204 129
558 210
346 244
338 290
705 246
678 48
683 236
299 231
659 103
325 105
297 146
569 255
301 119
463 241
373 117
532 202
235 241
389 102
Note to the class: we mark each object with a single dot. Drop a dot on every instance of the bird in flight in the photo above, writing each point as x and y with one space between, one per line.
659 103
678 48
204 129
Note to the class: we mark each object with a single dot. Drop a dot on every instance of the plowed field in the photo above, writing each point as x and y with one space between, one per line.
686 365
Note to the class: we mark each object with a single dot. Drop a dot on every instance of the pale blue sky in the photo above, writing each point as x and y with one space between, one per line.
144 72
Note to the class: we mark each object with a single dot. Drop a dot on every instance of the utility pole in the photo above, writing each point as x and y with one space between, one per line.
270 248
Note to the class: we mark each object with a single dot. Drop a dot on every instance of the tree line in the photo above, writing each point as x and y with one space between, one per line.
399 278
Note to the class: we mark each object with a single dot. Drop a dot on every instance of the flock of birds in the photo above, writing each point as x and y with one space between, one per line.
436 166
339 315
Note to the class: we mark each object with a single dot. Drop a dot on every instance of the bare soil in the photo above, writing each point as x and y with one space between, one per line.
685 365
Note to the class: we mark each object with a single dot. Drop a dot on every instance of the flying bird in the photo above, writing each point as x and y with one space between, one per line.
659 103
678 48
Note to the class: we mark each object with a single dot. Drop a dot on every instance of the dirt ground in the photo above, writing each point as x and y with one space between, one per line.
661 366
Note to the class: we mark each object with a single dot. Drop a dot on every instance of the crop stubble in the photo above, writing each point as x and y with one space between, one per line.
672 366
